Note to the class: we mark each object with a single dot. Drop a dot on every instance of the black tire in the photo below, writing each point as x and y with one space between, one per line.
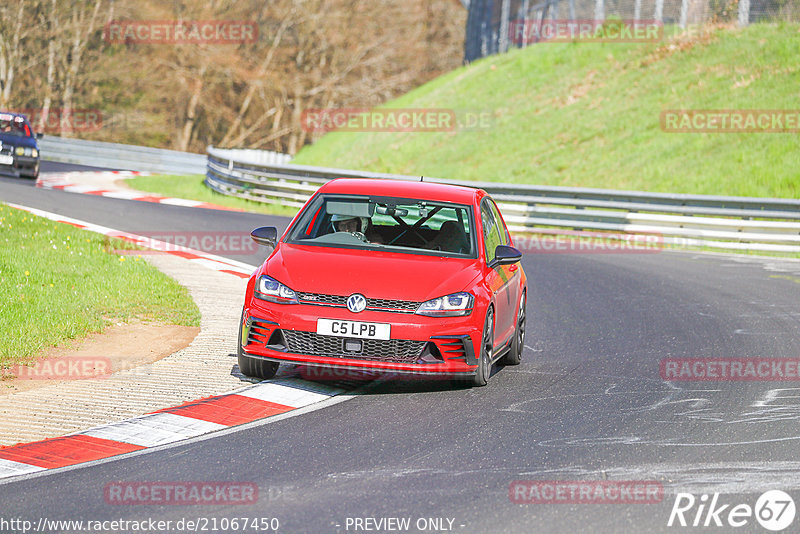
514 354
34 173
250 366
481 377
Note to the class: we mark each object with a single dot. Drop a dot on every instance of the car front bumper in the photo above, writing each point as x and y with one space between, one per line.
21 165
419 345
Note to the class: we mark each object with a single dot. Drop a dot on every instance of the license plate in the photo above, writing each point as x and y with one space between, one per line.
333 327
6 160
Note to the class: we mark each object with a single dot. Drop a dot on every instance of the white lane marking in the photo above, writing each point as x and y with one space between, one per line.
308 385
153 429
141 240
10 468
81 188
288 394
229 430
127 195
180 202
215 265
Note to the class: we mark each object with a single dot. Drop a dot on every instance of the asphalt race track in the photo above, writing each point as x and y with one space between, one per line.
587 403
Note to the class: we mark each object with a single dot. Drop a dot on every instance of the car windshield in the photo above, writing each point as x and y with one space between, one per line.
12 125
396 224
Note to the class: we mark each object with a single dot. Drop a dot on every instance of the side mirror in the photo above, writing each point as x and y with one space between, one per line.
505 255
39 135
266 235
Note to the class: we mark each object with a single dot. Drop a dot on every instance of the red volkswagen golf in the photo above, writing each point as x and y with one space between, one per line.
386 275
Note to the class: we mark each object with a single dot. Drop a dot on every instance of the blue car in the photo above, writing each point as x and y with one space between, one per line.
19 152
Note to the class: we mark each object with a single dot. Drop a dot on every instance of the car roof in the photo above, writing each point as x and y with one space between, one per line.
402 188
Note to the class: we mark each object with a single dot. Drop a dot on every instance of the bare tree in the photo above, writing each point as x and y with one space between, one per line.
310 54
78 28
10 48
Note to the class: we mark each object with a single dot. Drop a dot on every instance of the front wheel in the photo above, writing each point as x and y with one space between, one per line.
250 366
481 377
256 367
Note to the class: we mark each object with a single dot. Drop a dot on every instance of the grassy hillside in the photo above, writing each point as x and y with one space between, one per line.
587 114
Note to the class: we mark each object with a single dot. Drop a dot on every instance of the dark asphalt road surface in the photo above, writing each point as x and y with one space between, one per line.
587 403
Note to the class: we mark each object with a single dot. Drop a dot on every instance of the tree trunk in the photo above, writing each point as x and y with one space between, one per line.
9 58
82 30
185 135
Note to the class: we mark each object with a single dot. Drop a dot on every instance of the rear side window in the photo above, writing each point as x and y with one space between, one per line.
500 224
492 233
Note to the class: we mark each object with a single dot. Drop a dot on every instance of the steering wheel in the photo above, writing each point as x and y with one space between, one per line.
360 236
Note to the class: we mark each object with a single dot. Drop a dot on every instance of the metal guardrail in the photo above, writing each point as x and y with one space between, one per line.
743 223
253 157
121 157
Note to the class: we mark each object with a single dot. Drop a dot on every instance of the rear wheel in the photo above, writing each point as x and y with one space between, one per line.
514 354
251 366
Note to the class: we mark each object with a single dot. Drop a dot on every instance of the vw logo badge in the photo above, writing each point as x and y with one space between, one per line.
356 303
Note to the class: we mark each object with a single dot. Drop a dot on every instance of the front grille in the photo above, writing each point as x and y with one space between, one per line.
390 350
339 301
318 298
386 304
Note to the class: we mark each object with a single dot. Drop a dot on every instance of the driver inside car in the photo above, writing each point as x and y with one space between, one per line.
346 223
355 225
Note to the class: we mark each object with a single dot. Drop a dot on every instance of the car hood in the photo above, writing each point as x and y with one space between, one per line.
375 274
16 140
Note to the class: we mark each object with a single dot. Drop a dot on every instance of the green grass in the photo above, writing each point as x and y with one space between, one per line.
59 283
191 187
588 115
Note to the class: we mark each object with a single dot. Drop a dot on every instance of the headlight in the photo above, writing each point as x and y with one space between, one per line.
270 289
34 153
20 151
450 306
